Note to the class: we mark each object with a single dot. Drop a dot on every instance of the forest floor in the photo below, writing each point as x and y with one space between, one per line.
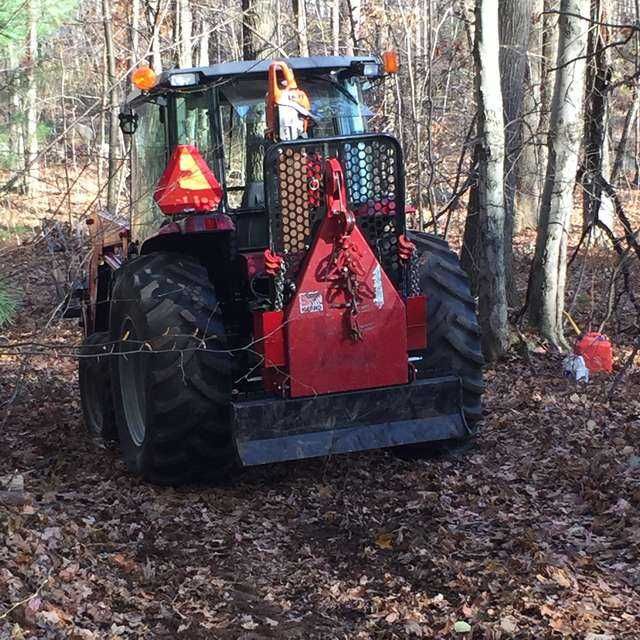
534 532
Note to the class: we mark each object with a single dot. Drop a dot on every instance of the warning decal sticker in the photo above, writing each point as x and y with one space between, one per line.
311 302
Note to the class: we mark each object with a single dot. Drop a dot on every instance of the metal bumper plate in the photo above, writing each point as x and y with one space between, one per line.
275 430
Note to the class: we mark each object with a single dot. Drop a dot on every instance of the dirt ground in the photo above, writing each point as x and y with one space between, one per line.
534 532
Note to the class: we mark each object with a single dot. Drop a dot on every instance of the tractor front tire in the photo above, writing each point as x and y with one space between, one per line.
94 377
453 333
172 375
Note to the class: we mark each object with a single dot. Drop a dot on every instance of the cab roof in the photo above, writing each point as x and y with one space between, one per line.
321 64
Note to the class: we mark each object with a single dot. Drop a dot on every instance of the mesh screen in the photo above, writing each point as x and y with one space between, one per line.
294 181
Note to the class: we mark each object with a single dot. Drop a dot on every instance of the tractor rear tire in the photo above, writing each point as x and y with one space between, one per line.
172 377
94 378
453 333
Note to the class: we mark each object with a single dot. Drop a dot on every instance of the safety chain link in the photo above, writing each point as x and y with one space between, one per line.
278 281
345 273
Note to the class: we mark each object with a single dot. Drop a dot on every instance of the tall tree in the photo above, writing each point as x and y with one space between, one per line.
529 185
184 24
515 24
259 28
488 195
335 26
548 274
300 12
112 92
203 43
31 125
259 33
16 131
597 206
550 31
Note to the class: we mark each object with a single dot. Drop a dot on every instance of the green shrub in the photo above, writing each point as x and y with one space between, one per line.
8 304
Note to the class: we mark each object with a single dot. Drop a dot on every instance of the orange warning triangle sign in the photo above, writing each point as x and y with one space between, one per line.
187 184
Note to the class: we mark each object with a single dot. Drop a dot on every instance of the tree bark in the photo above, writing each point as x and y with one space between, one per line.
529 178
156 52
184 20
258 29
114 143
488 195
515 24
335 26
596 123
135 33
16 131
300 12
31 124
203 44
548 275
258 34
354 9
550 31
629 123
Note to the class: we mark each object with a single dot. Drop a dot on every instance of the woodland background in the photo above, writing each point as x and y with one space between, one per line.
535 532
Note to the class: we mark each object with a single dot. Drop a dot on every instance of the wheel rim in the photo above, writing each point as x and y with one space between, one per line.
132 374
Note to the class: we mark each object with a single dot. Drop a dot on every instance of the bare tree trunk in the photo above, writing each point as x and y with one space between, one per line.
629 123
185 21
515 24
258 29
31 125
135 33
114 145
548 275
335 26
156 52
354 8
529 187
300 12
489 192
16 131
258 35
203 45
550 31
596 119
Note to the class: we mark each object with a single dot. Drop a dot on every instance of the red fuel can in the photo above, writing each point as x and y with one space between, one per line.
596 351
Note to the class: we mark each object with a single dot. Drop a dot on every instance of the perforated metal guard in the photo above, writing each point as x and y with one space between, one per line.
294 187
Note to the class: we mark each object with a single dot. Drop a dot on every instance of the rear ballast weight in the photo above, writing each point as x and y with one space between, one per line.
283 311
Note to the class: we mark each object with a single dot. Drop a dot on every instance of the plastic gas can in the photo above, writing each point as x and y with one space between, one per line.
597 352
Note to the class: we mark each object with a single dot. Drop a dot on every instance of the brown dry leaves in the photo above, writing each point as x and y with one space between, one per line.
532 533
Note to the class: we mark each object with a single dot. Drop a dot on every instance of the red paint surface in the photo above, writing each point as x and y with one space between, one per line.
329 348
268 332
597 352
322 356
416 323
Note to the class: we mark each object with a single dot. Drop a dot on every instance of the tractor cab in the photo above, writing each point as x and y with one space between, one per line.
223 112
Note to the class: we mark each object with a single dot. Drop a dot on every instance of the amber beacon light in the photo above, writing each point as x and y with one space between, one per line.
391 61
144 78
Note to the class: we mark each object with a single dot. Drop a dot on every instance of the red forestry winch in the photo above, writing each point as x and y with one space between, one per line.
344 299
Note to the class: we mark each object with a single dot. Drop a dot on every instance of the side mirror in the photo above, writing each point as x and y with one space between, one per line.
128 123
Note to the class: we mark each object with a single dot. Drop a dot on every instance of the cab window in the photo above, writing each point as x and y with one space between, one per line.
149 149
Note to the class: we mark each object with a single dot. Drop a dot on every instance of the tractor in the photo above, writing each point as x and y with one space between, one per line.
262 300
